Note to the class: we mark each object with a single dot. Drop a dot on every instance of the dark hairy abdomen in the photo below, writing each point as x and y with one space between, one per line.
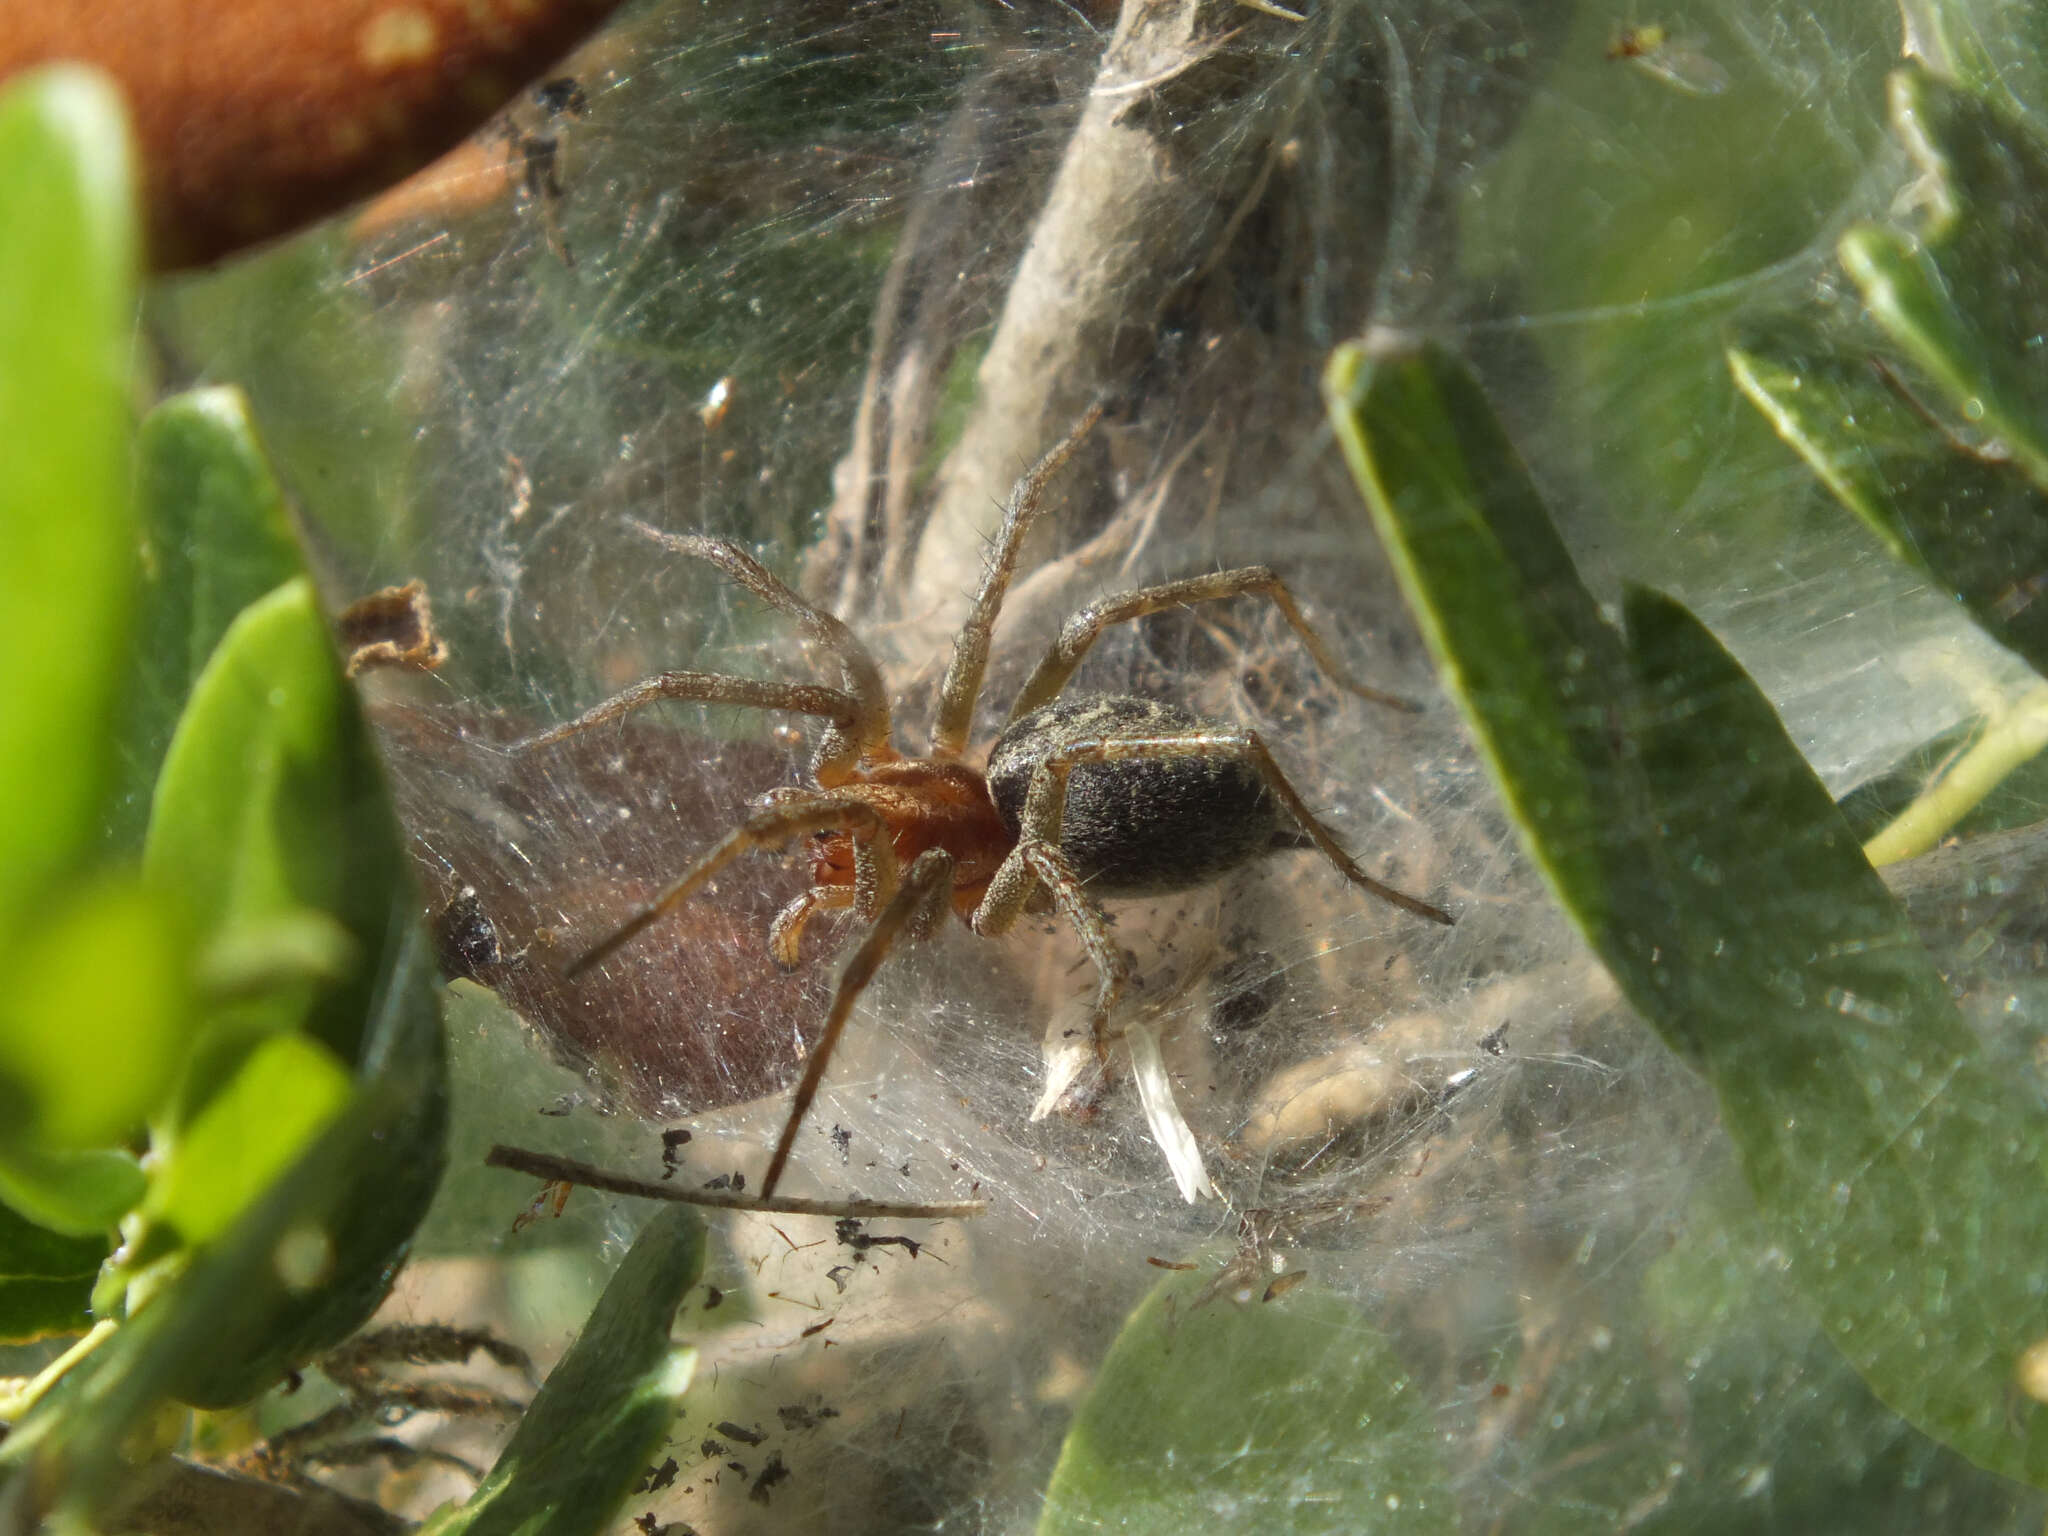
1139 827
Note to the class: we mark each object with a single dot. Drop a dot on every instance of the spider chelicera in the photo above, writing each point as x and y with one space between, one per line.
1083 797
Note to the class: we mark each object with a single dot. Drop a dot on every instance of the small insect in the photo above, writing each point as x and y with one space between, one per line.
535 154
1681 65
1082 798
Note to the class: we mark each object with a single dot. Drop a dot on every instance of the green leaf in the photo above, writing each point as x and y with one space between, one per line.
45 1279
37 1309
367 1182
596 1422
1291 1417
1902 1176
30 1252
1968 301
1519 644
67 325
94 1020
272 828
1977 527
76 1193
215 537
271 805
300 1270
283 1094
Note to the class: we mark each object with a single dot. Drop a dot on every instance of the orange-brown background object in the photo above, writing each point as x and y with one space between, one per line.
256 116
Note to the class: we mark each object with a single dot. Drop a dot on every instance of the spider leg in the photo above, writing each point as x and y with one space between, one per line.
1045 806
354 1363
925 887
1035 861
863 678
1081 631
961 690
395 1453
837 753
874 860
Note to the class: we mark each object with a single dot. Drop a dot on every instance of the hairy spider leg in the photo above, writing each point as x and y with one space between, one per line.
918 905
1036 861
841 709
867 738
1081 632
372 1397
961 690
358 1358
875 869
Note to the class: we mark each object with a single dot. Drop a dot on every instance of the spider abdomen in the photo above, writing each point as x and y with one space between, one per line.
1138 826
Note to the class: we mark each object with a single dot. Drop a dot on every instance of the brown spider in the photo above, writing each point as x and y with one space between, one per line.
1084 798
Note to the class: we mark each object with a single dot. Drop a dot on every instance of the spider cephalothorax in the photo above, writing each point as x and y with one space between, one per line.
1083 797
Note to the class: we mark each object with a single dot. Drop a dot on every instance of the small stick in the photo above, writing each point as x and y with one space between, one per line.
543 1165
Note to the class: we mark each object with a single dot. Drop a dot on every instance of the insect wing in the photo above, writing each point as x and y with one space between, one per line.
1681 65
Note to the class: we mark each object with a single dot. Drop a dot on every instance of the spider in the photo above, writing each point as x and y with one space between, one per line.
1082 798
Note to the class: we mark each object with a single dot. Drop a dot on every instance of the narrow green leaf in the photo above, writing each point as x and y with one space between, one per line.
1291 1417
67 322
216 536
593 1427
1976 527
1901 1176
1968 302
246 824
1518 642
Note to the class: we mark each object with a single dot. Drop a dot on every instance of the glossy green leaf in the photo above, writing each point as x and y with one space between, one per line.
1968 300
1293 1416
216 536
1901 1176
1977 527
271 805
94 1019
67 324
272 828
594 1426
